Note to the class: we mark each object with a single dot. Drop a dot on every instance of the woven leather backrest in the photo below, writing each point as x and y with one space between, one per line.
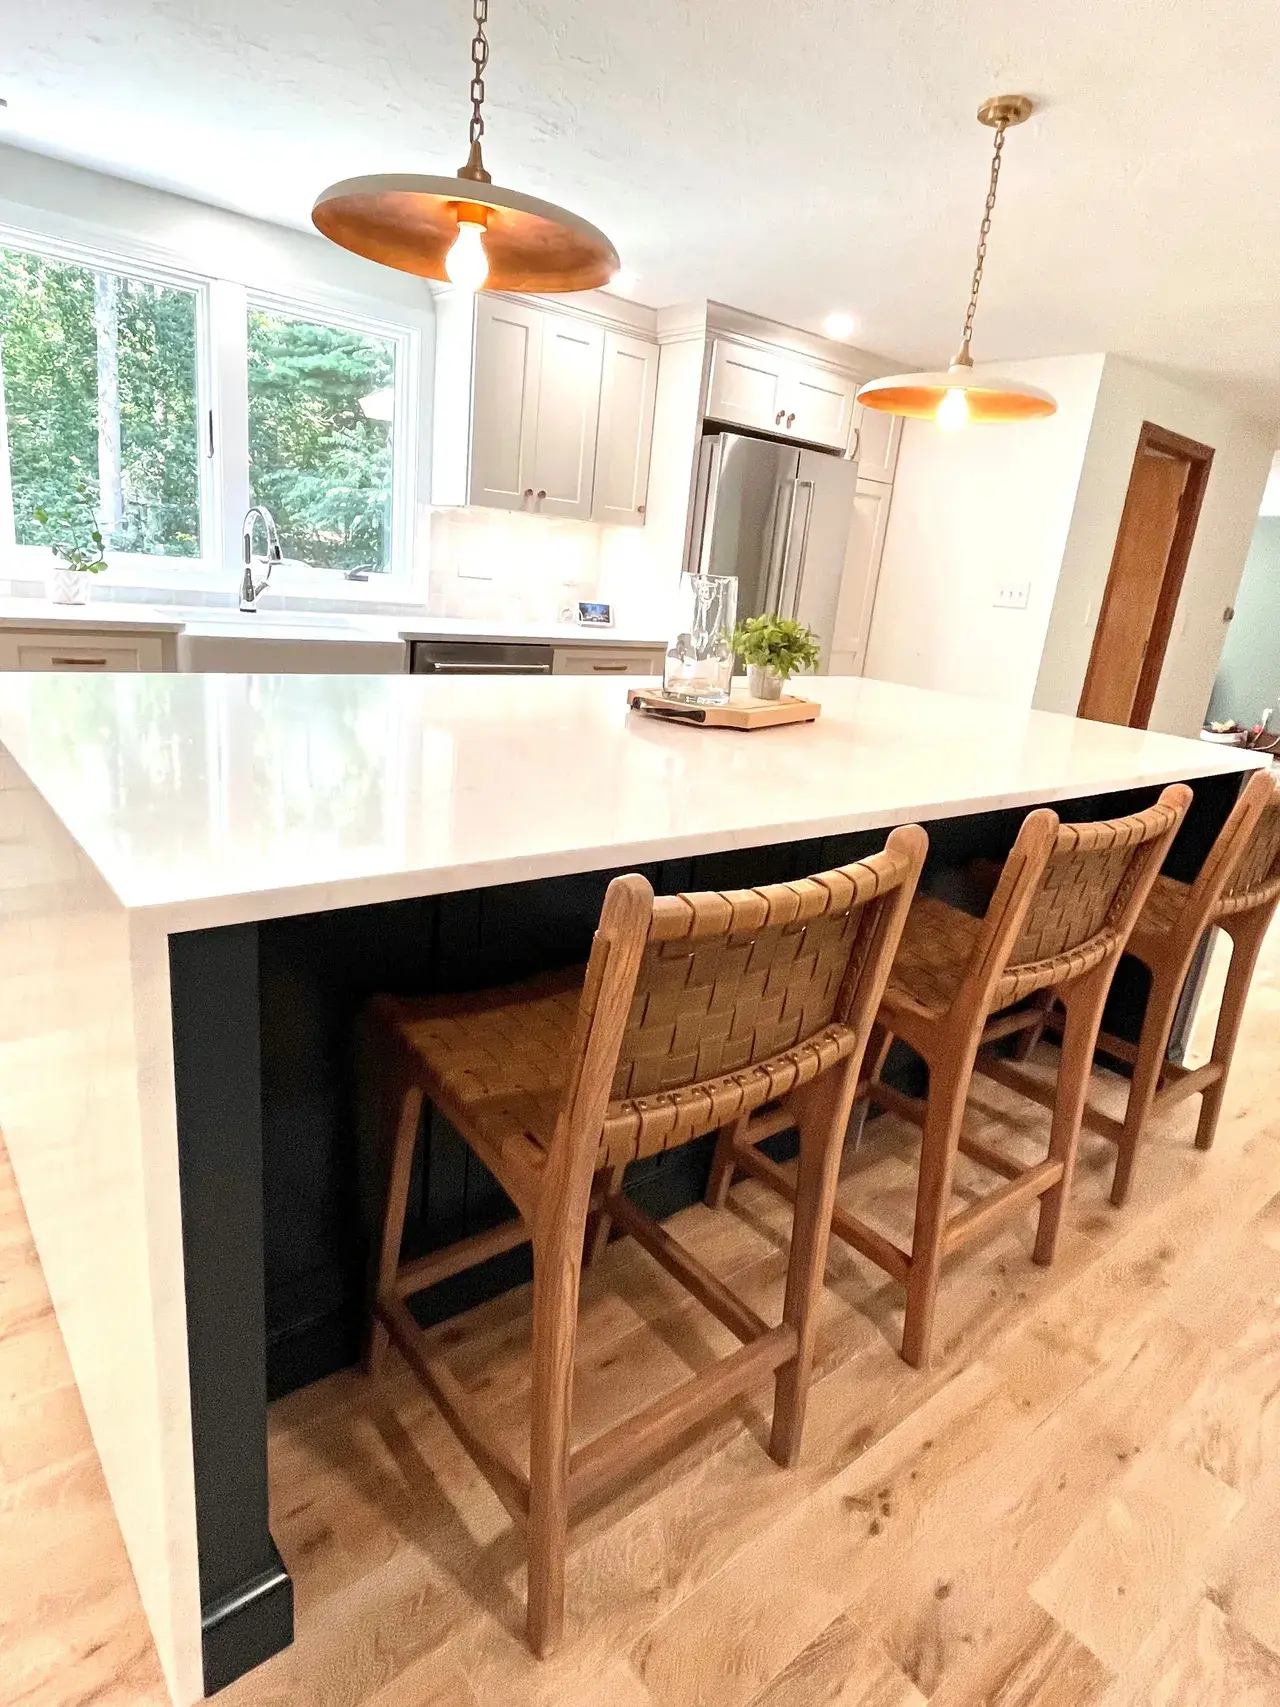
1085 884
1259 866
730 978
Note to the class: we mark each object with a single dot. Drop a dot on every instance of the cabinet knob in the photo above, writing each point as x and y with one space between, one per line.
541 496
528 491
777 419
639 509
791 419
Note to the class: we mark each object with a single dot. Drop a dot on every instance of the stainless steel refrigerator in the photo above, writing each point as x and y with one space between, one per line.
779 518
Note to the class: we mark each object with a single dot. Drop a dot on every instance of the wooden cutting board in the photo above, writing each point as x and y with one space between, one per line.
742 711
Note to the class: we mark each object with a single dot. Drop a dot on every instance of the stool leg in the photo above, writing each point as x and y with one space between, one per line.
823 1109
722 1163
1083 1003
1145 1082
598 1225
556 1266
944 1112
1027 1040
1247 935
401 1169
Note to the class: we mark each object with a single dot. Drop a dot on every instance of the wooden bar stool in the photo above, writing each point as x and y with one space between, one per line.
692 1010
1238 889
1066 900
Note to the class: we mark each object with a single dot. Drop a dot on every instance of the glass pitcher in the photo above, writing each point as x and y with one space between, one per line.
699 662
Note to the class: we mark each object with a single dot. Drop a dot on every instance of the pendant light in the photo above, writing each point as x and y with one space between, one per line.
466 230
955 398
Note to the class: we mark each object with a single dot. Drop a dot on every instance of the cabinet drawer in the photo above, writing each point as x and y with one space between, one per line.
607 661
82 652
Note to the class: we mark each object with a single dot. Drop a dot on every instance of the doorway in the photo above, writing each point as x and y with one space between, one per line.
1157 526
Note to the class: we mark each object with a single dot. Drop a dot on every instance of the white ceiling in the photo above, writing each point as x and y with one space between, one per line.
787 156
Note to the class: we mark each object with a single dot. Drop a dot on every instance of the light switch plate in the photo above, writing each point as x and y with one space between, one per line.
1012 595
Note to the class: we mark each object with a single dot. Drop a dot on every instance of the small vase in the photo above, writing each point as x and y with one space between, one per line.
69 586
762 683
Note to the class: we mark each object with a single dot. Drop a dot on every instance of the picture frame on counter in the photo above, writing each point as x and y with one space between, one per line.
595 613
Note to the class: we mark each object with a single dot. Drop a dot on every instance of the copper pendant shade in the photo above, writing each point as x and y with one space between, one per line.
957 396
413 222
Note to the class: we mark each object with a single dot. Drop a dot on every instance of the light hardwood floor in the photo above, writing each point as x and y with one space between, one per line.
1080 1505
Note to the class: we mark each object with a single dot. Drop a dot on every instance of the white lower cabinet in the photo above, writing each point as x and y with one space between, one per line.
83 650
607 661
860 578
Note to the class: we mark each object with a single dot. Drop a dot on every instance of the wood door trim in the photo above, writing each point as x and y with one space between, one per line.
1199 458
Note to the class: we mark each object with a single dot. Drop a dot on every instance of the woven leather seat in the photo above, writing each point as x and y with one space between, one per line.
1238 890
692 1012
1062 907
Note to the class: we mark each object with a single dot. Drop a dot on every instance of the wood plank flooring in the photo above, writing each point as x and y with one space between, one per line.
1078 1507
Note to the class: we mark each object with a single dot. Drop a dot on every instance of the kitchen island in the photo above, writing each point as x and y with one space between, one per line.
205 876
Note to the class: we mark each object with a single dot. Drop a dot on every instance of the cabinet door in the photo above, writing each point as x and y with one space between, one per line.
746 386
819 405
876 447
627 394
861 574
505 404
564 437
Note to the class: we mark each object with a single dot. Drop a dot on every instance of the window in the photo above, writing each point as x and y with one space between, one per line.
100 388
174 401
321 414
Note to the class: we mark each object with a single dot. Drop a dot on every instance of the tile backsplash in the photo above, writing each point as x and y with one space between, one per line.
494 563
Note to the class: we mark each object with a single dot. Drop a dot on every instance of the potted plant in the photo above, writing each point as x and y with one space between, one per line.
775 648
77 546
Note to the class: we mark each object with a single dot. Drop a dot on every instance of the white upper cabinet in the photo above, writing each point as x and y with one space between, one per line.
876 444
568 410
508 366
625 436
541 411
820 405
776 391
746 387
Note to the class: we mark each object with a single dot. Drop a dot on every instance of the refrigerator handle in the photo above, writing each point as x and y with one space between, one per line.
804 539
779 547
713 450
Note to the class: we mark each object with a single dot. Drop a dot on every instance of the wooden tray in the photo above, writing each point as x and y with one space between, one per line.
742 711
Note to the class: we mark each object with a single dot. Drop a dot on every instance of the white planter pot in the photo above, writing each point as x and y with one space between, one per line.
763 684
69 586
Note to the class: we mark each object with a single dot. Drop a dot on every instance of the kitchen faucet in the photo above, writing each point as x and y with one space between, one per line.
251 591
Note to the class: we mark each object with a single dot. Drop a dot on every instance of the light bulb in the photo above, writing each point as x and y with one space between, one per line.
466 263
953 411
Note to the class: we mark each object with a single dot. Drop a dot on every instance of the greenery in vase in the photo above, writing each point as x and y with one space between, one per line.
74 530
778 644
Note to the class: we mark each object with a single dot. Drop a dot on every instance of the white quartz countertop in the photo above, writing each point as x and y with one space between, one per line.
273 622
217 799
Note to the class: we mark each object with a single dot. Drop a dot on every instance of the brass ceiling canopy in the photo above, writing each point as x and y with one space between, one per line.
956 397
467 230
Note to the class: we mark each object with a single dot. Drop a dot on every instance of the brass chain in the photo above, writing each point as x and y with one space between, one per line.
479 60
984 231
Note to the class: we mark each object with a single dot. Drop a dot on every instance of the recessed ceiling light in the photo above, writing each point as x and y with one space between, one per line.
623 282
838 325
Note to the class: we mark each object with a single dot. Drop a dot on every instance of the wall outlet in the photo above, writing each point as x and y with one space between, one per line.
1012 595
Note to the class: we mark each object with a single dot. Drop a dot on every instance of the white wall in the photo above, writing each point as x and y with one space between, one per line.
1128 395
972 509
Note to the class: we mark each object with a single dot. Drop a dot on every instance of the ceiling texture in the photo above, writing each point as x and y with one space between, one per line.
788 156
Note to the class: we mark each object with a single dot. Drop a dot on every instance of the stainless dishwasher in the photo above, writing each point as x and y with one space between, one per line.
479 658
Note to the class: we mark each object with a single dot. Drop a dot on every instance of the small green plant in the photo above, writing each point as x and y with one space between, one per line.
777 643
73 533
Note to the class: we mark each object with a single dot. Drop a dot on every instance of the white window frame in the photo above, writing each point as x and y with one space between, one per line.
222 415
